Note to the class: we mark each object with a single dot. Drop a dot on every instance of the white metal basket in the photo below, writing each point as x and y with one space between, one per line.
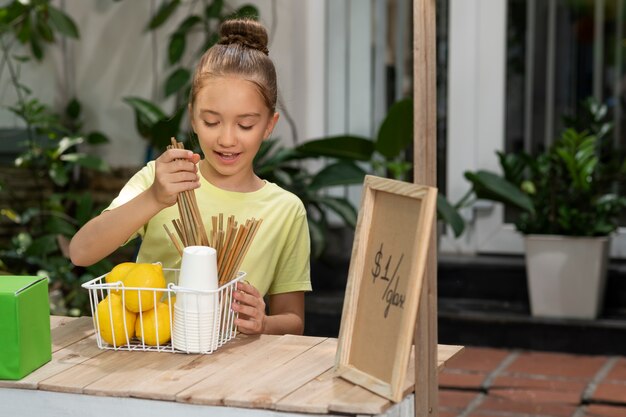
184 338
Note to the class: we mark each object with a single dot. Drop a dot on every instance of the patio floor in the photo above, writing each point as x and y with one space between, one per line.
487 382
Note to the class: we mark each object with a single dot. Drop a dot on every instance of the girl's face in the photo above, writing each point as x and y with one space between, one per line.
231 120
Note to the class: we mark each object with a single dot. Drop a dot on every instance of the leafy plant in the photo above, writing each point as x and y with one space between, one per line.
154 124
572 188
51 152
289 169
385 154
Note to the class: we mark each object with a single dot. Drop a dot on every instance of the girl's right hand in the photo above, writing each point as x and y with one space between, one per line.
176 171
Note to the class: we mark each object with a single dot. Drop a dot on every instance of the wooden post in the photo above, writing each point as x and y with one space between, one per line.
425 173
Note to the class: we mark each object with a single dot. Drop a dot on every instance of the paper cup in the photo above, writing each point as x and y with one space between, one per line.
198 269
197 303
195 333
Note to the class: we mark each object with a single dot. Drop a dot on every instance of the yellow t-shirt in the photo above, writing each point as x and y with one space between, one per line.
278 259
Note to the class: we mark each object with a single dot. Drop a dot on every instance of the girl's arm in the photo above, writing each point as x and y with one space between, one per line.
286 311
175 172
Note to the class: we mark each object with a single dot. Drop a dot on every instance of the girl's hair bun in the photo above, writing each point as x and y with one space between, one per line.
245 32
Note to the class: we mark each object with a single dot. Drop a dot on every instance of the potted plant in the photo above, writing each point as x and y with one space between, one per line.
569 200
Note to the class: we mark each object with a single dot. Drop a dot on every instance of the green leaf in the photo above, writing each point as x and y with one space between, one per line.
276 159
62 22
147 114
340 173
513 165
448 214
283 178
21 58
24 33
58 174
396 131
73 109
340 206
188 23
84 208
42 246
398 169
166 128
491 186
36 49
164 12
66 143
213 10
97 138
246 11
354 148
264 149
44 30
86 161
10 214
59 226
177 80
176 47
24 88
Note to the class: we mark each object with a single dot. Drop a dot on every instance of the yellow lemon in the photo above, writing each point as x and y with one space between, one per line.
118 273
143 275
111 315
152 320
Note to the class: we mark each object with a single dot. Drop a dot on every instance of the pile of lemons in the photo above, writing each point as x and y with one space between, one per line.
146 317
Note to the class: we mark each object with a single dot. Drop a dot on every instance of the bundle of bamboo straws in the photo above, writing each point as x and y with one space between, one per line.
231 244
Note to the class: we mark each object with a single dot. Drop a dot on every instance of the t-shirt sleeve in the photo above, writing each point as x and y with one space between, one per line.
293 272
135 186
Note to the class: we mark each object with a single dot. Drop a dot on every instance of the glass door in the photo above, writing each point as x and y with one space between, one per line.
516 69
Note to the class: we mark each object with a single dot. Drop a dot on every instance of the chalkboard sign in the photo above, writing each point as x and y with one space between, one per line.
384 284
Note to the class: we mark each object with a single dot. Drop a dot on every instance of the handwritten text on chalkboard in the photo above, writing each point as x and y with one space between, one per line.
390 293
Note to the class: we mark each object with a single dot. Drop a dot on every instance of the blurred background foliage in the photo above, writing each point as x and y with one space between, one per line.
53 147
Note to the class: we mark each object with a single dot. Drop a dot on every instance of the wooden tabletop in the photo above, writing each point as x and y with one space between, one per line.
286 373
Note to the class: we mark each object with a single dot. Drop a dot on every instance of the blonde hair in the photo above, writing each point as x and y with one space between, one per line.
241 51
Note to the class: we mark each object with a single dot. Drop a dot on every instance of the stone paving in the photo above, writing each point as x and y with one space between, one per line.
486 382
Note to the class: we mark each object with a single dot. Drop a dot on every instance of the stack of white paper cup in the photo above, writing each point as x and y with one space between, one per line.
196 312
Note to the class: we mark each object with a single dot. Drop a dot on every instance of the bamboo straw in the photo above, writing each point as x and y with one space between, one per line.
244 252
231 255
174 240
180 231
189 227
231 244
227 242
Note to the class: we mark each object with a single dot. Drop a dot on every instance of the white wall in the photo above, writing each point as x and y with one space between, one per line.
114 58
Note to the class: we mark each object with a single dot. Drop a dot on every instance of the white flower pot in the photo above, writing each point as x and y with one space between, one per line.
566 275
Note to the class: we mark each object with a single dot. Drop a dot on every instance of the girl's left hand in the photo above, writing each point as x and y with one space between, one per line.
251 308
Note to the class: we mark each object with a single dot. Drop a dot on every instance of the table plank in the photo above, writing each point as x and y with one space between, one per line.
445 353
70 331
318 395
75 379
56 321
61 360
286 373
284 379
142 369
165 385
358 400
246 371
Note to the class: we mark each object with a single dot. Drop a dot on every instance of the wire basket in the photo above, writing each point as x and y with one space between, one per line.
196 321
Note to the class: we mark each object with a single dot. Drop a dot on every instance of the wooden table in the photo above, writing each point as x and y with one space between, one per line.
249 376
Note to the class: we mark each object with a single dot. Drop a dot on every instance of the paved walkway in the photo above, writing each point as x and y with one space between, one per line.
485 382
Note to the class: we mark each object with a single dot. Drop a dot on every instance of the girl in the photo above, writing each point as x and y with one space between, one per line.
232 110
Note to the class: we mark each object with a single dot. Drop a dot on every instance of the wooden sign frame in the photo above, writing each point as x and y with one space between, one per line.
380 363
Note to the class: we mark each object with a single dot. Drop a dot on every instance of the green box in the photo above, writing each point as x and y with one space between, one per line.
24 325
